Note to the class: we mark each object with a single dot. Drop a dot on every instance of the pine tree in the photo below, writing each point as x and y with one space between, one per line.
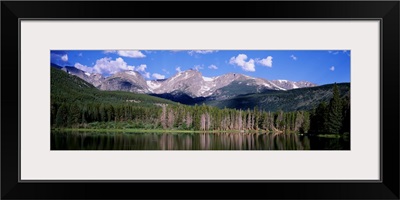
334 122
306 123
74 115
102 113
61 116
318 118
346 115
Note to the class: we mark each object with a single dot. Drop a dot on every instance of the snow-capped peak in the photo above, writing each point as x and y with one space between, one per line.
207 78
190 82
130 73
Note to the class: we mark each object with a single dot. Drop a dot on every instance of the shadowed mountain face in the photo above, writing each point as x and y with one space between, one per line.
291 100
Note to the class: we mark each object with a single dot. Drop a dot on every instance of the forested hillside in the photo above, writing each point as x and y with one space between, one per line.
291 100
74 102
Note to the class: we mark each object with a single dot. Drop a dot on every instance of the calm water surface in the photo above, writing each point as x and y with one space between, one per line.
192 141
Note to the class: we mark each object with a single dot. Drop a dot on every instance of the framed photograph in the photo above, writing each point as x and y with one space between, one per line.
287 96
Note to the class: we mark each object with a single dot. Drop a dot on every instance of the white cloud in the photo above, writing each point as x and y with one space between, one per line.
266 61
333 52
158 76
146 74
178 69
166 71
64 58
198 67
240 61
332 68
346 52
201 52
131 54
249 66
80 54
109 66
212 67
293 57
83 67
141 68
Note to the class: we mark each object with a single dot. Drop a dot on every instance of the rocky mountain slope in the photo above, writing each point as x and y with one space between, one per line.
191 83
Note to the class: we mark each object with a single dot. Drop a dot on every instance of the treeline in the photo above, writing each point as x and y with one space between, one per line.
79 114
182 117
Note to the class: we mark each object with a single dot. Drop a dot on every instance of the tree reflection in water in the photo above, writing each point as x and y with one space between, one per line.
191 141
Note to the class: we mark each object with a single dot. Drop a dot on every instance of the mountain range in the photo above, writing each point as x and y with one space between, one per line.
189 83
190 87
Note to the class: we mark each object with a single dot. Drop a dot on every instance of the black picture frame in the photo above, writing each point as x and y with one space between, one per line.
386 11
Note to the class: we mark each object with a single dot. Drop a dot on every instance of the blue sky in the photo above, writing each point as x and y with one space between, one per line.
317 66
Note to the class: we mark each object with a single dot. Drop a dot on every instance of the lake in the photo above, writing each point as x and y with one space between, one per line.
69 140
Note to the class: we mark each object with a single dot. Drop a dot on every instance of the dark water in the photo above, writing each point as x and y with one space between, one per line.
192 141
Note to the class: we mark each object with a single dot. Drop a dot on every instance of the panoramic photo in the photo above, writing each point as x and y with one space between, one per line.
200 99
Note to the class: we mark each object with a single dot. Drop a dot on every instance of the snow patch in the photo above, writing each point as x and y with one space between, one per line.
277 86
295 86
207 78
131 73
280 81
204 89
153 85
87 74
267 85
248 77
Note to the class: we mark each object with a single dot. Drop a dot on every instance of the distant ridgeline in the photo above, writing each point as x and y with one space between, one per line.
291 100
76 103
